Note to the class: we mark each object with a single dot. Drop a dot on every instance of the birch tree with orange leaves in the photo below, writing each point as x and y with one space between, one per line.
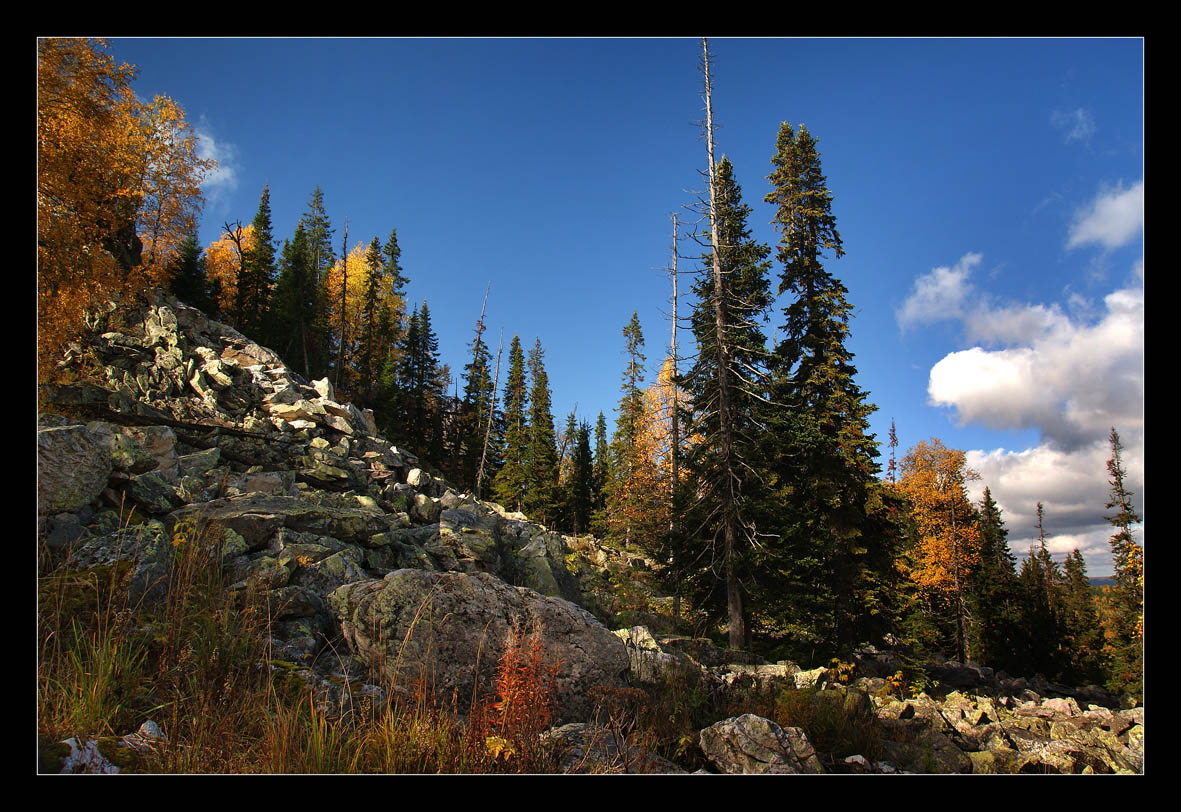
949 542
118 187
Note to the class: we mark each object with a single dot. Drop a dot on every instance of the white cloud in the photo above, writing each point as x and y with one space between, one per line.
1112 219
1071 377
222 182
1070 380
1077 125
939 294
1073 488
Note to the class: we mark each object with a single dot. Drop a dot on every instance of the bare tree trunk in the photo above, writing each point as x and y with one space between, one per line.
674 440
344 287
734 607
491 413
961 640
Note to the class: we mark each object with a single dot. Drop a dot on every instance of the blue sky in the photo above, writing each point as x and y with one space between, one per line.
989 193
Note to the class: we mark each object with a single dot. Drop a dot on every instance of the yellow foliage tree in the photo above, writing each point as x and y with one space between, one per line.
223 262
643 499
948 546
348 325
113 174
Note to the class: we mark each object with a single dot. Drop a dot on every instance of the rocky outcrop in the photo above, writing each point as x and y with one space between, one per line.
449 630
579 747
72 468
750 744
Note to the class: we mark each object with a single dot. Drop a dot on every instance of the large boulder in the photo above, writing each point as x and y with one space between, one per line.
750 744
73 466
449 630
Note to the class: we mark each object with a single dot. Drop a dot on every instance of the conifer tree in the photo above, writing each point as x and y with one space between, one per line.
421 390
509 486
579 484
1041 582
620 487
393 266
374 311
321 257
999 634
1128 591
818 443
541 461
1082 631
257 276
474 411
295 304
723 387
187 276
892 468
601 472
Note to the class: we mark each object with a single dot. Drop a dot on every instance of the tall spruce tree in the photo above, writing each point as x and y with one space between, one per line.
541 462
321 257
475 409
818 441
509 486
257 276
620 488
1042 582
421 390
600 473
724 388
375 323
1000 638
295 303
579 486
1085 662
1127 594
187 277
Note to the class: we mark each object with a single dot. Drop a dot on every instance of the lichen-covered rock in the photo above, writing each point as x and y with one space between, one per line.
147 546
651 663
750 744
580 747
450 629
73 466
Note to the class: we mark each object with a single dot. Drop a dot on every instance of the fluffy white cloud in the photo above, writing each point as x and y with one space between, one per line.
1112 219
1070 380
938 295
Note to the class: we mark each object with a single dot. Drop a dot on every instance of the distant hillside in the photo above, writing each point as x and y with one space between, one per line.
1106 580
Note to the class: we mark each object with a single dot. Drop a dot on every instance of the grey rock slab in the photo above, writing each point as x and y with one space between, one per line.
451 629
750 744
73 466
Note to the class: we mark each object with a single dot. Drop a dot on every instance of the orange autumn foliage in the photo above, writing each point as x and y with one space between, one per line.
643 492
223 262
118 187
350 322
948 547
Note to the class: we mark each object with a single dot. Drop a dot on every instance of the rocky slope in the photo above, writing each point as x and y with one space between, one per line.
176 426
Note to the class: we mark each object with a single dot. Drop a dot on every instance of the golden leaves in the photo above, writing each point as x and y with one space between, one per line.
948 546
118 186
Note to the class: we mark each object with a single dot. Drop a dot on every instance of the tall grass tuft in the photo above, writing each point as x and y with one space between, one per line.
198 663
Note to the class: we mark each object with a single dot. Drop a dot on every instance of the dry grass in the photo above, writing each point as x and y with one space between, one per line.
199 665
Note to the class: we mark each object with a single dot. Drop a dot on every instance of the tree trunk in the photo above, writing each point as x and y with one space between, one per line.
737 623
